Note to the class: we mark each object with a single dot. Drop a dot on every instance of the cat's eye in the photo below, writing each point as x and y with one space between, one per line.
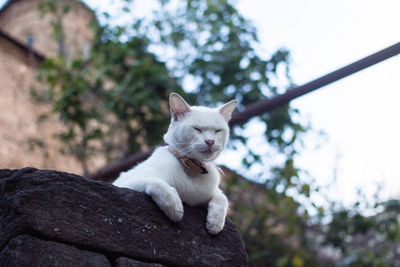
217 131
197 129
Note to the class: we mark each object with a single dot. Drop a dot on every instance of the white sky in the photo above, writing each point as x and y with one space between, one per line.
360 114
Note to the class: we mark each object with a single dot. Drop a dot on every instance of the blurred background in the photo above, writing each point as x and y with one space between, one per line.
85 86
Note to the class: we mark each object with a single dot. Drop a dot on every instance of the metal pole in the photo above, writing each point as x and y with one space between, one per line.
264 106
267 105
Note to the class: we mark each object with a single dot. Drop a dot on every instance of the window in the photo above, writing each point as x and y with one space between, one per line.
29 41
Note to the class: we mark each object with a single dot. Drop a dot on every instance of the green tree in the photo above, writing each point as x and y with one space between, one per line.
362 240
109 101
211 44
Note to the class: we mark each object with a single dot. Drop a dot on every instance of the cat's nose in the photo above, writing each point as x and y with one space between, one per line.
209 142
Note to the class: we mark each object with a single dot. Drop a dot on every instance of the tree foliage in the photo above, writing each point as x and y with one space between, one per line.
114 103
366 240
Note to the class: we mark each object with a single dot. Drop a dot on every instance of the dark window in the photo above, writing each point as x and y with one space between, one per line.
29 41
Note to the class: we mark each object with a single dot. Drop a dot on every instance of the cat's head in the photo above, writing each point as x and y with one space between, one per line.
198 132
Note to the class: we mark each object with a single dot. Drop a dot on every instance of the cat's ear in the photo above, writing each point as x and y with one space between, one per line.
178 106
227 109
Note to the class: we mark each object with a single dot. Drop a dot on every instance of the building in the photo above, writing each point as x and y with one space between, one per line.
25 42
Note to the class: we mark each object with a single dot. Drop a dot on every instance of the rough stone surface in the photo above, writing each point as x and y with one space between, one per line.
26 250
126 262
115 222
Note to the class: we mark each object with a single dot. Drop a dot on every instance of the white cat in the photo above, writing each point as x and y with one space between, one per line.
183 170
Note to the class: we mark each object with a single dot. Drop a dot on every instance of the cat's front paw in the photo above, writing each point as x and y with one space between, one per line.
215 224
175 212
173 208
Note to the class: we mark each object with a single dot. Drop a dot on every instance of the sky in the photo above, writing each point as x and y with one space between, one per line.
359 114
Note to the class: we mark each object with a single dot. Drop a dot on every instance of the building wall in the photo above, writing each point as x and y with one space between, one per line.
19 128
20 131
22 18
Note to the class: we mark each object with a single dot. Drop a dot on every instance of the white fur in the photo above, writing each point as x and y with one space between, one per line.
168 182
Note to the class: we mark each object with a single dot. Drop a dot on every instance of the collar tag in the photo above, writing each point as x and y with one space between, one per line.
193 164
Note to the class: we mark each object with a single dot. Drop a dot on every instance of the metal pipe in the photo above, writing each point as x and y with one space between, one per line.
111 171
268 105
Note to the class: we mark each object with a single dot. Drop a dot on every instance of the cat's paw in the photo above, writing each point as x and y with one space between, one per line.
215 224
167 199
173 208
175 211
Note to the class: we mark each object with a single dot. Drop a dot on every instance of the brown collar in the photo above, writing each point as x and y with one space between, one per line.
193 164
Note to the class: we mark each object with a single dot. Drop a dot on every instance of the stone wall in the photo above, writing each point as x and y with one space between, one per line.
50 218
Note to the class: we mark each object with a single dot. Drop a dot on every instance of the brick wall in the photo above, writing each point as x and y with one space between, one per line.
18 113
22 18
